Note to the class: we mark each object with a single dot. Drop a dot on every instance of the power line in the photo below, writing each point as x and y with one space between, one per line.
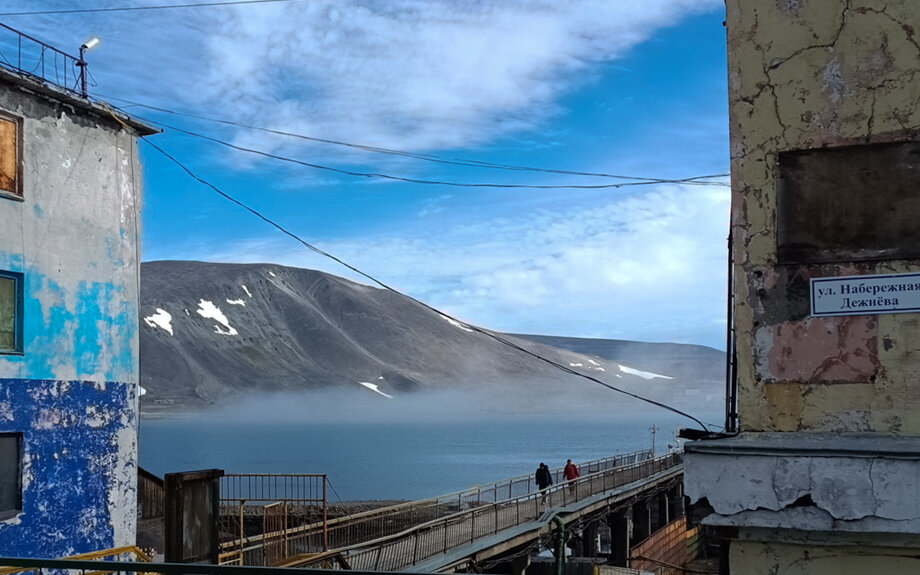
690 181
136 8
489 334
696 180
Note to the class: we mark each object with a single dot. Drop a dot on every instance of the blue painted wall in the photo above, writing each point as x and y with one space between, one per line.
72 393
72 432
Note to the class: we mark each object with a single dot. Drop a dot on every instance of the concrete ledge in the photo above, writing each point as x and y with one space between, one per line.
857 482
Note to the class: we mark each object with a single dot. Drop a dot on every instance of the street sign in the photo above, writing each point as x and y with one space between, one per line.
864 295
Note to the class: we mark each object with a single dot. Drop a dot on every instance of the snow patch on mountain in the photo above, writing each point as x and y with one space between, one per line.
373 387
457 324
208 310
642 374
161 319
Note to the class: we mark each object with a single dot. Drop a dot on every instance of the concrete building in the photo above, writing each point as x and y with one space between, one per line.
70 184
825 110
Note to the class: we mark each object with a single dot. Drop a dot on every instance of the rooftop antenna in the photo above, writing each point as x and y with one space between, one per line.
88 45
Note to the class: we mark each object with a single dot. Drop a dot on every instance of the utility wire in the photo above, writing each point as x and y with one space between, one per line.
697 180
136 8
479 330
417 180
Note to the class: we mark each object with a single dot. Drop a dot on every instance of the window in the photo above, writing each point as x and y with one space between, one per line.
10 474
852 203
10 312
10 156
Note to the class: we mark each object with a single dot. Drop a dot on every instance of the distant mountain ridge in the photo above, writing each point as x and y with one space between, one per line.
211 333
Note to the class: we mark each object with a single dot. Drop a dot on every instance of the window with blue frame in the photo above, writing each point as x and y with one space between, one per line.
10 312
10 474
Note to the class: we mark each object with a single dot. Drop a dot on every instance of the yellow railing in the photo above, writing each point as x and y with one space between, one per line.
118 553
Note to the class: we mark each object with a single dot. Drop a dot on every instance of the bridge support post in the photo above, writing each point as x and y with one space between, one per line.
517 566
621 536
676 501
642 520
589 540
664 511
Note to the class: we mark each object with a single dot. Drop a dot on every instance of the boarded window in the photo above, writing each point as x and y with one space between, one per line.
10 312
849 204
10 474
10 155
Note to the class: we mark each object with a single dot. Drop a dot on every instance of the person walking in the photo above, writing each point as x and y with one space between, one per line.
544 479
570 473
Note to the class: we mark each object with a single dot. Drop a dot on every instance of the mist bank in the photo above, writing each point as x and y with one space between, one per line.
269 340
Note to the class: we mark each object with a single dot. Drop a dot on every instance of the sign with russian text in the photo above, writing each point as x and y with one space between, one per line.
863 295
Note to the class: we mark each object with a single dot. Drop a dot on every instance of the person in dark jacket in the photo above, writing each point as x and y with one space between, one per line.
544 479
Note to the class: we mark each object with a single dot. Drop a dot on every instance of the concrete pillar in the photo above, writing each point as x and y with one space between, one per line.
673 498
679 509
589 540
641 521
576 544
664 512
620 537
517 566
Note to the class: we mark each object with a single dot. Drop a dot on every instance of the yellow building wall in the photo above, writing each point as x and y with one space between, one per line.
756 558
810 74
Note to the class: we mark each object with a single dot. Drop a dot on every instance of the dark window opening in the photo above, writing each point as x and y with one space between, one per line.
10 474
10 312
849 204
10 156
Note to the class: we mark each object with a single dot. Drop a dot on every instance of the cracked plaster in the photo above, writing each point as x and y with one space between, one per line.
72 394
805 75
843 488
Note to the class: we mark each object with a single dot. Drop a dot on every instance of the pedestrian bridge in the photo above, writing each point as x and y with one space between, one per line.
483 526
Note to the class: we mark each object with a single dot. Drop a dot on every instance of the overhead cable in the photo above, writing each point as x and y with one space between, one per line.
696 180
136 8
690 181
489 334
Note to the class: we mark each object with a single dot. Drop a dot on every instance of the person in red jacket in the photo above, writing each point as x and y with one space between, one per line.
570 473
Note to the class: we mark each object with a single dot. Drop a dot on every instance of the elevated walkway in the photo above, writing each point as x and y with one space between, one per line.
491 529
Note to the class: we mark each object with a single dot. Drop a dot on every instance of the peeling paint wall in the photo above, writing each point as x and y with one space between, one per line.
79 481
806 75
72 393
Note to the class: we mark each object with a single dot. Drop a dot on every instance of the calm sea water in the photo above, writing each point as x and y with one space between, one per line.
396 460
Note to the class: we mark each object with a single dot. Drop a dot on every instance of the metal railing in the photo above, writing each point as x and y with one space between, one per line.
436 537
371 525
59 566
258 511
92 560
31 56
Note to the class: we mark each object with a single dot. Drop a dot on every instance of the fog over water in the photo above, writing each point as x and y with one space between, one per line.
409 447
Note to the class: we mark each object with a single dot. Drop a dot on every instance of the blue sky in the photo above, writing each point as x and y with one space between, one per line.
619 87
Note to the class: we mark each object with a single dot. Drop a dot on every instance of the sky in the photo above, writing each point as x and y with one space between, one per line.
622 87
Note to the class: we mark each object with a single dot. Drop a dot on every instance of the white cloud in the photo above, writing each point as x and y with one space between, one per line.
420 74
405 74
646 267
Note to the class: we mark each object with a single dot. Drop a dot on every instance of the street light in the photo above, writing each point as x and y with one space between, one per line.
88 45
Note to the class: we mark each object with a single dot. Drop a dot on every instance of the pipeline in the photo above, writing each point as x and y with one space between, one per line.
560 545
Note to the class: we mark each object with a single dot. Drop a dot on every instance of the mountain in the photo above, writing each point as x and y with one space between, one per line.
212 333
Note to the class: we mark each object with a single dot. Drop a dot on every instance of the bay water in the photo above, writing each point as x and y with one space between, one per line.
394 459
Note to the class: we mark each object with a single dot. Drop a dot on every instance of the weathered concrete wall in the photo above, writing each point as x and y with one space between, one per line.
811 74
73 392
80 467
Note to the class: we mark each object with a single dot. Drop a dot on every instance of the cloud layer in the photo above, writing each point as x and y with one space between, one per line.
427 76
647 267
